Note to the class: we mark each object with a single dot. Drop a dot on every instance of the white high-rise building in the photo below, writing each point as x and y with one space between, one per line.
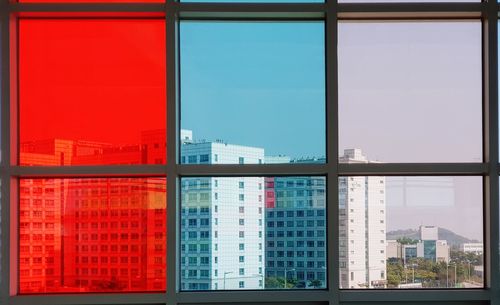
222 236
362 203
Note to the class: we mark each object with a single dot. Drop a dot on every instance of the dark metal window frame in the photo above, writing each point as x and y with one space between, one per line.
330 12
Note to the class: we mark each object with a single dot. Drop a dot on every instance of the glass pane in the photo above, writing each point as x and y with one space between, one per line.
411 232
257 1
92 91
90 1
1 238
92 235
411 91
402 1
253 233
252 92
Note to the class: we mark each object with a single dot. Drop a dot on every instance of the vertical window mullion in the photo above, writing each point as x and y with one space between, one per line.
172 248
490 135
332 150
8 276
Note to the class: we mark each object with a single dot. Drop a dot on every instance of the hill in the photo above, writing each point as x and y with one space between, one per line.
453 239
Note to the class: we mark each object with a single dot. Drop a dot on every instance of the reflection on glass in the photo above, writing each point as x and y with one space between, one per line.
411 91
92 235
411 232
257 87
253 233
92 91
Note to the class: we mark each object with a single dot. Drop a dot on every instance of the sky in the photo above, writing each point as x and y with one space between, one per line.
411 92
408 92
109 71
255 84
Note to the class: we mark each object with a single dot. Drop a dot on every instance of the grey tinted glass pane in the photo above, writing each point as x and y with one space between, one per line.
253 232
411 232
403 1
252 92
411 91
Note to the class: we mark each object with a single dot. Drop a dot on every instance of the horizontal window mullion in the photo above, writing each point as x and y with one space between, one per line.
109 298
245 11
87 7
75 171
412 7
252 170
388 169
250 7
411 295
271 10
430 11
410 15
343 169
255 296
252 16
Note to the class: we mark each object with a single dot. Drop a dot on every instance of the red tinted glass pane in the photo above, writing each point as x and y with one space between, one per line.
93 1
92 235
92 91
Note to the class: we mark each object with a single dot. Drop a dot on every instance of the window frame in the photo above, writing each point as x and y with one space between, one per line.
330 12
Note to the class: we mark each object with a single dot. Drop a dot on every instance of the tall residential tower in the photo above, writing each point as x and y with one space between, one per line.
362 205
222 235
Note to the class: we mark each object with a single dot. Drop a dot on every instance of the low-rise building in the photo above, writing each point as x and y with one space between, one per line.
476 248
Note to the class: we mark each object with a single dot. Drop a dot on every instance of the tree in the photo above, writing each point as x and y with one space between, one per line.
273 282
394 273
315 283
407 241
291 283
279 283
111 284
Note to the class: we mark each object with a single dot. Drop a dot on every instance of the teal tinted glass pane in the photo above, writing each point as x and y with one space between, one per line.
257 1
253 233
252 92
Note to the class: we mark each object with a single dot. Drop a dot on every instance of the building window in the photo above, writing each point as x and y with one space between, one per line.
203 158
47 263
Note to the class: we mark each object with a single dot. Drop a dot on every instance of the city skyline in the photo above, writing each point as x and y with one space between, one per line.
360 198
458 196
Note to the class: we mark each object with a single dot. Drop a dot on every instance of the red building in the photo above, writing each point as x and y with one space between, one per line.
92 234
270 193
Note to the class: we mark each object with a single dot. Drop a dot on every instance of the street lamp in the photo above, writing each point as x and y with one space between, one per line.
406 275
225 273
286 272
413 270
446 274
468 270
455 275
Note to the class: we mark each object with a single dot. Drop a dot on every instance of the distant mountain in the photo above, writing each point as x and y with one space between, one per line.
453 239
